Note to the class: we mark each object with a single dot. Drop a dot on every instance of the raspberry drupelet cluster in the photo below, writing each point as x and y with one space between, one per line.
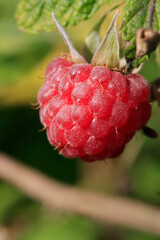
90 111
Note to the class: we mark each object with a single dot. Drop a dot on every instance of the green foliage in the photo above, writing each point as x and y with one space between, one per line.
7 9
137 235
156 22
48 227
136 14
35 15
38 223
9 197
16 49
147 185
19 53
150 70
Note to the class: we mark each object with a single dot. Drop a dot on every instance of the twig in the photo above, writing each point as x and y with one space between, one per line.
107 209
151 13
155 90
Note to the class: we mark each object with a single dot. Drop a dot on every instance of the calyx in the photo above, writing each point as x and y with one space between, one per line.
107 54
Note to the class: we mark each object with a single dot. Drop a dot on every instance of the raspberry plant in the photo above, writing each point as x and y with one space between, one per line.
91 110
102 100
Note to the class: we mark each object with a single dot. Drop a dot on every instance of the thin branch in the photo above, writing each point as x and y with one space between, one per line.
155 90
151 13
107 209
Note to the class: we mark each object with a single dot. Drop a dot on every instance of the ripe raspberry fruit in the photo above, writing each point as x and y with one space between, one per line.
90 111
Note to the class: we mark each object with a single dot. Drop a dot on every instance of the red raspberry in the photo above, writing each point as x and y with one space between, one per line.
90 111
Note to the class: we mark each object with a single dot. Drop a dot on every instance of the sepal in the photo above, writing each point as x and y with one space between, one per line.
76 57
107 53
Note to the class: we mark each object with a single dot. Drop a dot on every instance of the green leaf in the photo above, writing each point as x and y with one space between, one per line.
137 15
35 15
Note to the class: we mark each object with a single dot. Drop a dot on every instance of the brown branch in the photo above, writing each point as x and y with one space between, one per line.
155 90
107 209
151 13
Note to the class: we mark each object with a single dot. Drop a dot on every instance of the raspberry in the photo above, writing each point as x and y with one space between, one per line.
90 111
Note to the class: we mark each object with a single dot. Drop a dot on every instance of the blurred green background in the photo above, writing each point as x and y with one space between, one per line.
136 174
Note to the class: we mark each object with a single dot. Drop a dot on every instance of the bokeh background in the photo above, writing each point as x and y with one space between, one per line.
136 174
